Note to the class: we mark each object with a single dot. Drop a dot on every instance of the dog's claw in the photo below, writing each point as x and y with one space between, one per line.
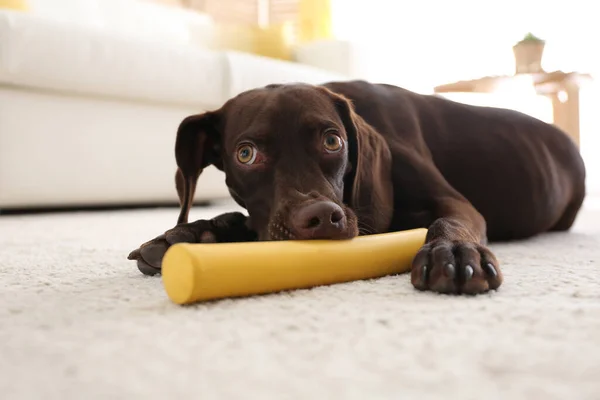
424 275
134 255
456 268
450 271
469 273
491 270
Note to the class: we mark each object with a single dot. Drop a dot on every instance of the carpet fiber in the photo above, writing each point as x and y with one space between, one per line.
78 321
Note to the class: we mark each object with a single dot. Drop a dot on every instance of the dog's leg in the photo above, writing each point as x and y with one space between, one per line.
230 227
455 258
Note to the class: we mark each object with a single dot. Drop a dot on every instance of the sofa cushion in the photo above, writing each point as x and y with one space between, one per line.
134 18
352 59
42 53
247 71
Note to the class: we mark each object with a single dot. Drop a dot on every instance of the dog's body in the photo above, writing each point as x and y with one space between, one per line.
524 176
393 160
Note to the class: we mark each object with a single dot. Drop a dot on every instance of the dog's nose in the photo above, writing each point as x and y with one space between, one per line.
319 220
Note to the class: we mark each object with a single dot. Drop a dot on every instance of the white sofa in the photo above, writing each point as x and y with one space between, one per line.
90 99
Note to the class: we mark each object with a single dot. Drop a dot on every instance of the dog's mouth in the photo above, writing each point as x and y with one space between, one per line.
328 221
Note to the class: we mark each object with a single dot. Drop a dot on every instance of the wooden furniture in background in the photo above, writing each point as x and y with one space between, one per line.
561 87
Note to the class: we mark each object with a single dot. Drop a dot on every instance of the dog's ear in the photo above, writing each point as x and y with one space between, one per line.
368 185
198 145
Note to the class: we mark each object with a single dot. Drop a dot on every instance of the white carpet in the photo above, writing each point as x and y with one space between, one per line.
78 321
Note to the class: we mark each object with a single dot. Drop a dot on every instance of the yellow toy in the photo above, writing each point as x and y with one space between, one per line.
199 272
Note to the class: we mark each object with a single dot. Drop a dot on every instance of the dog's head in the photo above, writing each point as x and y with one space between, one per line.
297 157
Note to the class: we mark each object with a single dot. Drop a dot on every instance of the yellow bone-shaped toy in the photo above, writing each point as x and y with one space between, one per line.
198 272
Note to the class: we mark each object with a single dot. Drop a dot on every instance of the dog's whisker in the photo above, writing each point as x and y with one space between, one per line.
278 230
365 228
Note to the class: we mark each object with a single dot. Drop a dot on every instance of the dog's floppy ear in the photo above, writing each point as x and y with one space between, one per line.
368 186
197 146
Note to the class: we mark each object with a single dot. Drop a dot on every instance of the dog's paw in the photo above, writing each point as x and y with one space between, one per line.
229 227
150 254
455 267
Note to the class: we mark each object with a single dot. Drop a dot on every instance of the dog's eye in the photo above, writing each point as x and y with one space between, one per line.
246 154
332 142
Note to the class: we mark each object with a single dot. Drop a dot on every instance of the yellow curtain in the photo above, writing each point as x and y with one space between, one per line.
314 20
274 41
20 5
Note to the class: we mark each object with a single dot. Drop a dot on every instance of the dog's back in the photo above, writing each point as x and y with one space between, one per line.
523 175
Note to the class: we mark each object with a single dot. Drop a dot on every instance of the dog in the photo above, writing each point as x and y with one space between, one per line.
350 158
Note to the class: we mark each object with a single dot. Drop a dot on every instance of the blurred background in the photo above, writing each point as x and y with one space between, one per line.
92 91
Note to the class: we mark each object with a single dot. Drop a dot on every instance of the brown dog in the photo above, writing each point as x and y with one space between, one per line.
350 158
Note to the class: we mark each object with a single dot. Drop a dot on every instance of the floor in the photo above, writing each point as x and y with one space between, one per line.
77 320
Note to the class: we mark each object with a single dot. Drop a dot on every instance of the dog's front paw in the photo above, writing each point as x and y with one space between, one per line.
224 228
455 267
150 254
